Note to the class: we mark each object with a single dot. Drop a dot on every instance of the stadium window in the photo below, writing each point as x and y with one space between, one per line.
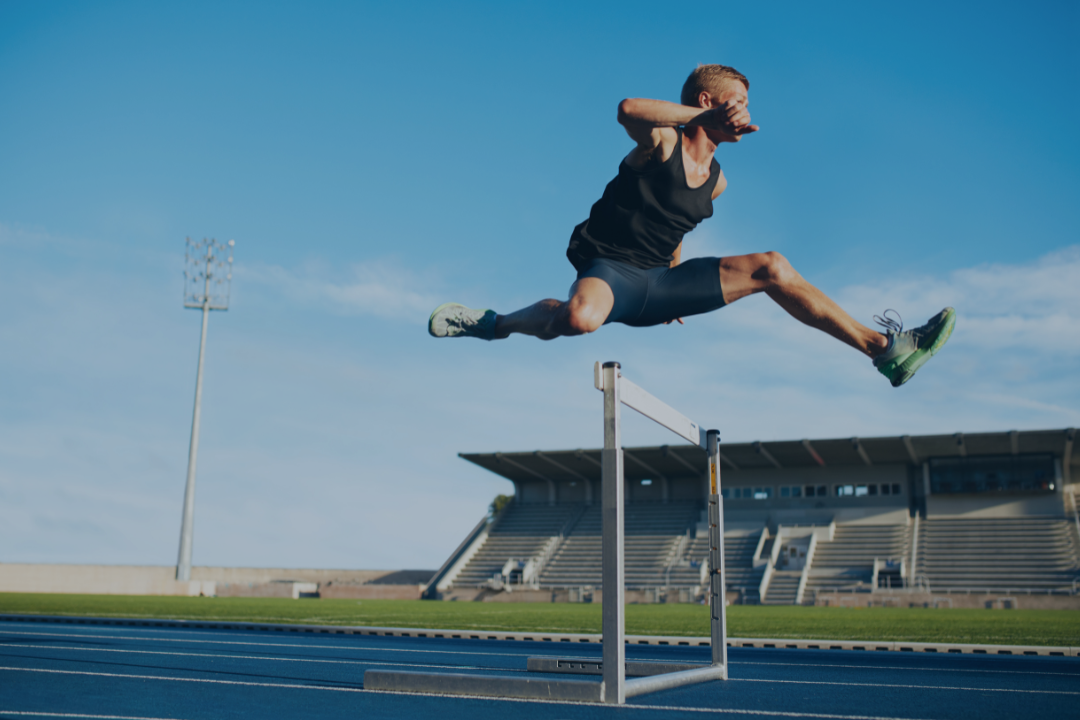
785 491
796 491
993 473
885 489
822 491
762 493
872 489
724 492
809 491
646 481
896 489
861 491
844 490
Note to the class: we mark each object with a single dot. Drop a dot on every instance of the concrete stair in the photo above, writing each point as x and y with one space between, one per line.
783 588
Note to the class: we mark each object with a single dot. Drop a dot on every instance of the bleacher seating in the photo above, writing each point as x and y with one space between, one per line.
847 561
742 576
998 555
994 555
520 533
653 533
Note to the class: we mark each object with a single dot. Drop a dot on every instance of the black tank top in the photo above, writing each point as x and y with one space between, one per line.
643 214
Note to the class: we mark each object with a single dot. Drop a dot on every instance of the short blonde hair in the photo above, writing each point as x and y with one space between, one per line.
709 78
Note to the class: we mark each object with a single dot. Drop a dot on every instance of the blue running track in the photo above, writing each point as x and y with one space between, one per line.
60 670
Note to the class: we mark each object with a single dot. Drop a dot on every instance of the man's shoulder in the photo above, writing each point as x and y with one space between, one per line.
658 152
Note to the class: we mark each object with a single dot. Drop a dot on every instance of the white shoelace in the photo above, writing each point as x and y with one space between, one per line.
895 326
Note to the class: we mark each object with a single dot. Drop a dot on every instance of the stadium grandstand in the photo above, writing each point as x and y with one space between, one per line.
963 520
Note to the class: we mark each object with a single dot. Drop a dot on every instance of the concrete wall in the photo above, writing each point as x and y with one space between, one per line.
263 575
994 506
94 579
990 601
160 580
371 592
632 597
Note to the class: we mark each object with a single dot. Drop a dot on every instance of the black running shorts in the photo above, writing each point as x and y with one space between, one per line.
659 295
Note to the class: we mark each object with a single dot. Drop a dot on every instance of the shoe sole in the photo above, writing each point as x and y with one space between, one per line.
918 358
436 311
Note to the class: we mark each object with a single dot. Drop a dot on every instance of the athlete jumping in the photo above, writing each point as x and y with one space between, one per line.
627 254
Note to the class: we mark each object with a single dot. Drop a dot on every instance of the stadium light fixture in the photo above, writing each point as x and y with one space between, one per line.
207 285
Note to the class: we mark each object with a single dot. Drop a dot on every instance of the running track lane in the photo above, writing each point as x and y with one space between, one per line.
56 670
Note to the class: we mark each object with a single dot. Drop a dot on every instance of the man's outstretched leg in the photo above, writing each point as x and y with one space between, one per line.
590 302
897 354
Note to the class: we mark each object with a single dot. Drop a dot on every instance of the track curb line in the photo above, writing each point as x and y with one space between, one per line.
770 643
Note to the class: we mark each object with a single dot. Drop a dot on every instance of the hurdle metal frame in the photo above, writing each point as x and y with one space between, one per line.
614 669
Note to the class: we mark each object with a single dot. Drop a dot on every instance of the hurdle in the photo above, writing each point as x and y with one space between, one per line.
614 669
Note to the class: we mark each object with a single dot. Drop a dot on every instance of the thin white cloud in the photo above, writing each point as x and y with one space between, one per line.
1033 306
379 288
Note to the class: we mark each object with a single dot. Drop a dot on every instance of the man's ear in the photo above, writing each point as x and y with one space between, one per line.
705 99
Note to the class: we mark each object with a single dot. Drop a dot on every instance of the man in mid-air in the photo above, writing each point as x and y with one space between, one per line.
627 254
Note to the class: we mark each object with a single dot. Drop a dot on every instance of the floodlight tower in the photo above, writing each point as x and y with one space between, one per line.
207 282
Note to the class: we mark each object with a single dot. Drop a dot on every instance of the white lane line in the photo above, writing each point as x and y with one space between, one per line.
897 667
733 680
77 715
182 679
909 687
669 708
259 644
368 663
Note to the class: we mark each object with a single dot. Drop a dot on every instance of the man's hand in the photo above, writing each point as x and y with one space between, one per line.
731 117
678 320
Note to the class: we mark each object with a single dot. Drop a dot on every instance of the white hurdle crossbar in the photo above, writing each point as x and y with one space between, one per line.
646 677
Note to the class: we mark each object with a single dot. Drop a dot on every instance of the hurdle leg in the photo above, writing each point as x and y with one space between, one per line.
612 492
717 574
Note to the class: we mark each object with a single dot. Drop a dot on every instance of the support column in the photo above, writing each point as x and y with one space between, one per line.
187 522
613 496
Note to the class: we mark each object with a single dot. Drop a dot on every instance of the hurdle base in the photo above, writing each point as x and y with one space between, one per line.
591 666
484 685
541 688
666 681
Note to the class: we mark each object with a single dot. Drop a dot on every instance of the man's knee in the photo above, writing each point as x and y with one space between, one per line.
775 269
583 318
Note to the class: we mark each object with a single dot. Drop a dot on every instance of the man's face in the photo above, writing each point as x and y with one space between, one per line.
730 91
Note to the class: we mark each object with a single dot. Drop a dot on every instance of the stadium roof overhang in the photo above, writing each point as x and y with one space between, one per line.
688 460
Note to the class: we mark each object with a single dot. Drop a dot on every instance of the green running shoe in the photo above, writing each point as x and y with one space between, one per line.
456 320
909 350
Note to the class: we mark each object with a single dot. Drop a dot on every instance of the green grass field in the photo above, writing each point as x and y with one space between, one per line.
1009 627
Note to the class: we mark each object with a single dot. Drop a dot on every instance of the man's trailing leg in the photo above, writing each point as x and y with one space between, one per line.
590 302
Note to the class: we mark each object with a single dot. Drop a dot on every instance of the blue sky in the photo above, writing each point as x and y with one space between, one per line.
372 161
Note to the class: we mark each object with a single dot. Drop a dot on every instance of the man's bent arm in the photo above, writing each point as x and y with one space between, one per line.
641 114
656 113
